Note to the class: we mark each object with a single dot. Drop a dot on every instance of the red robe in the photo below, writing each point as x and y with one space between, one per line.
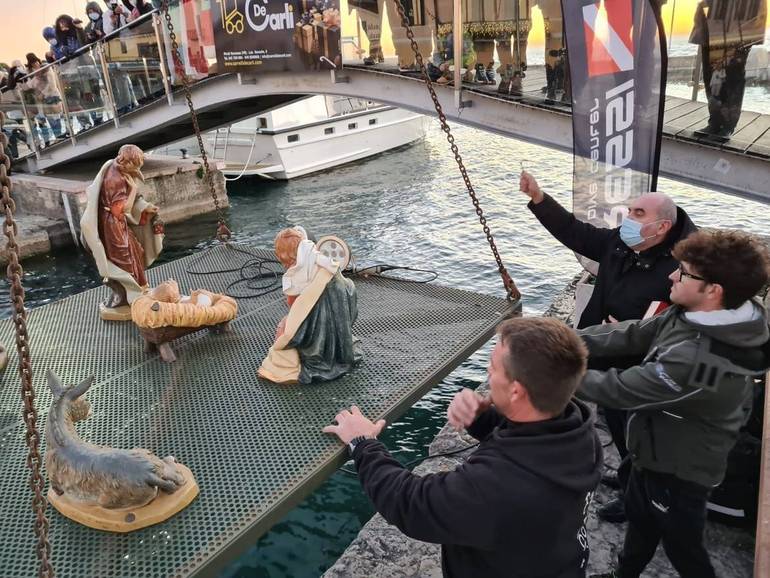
120 244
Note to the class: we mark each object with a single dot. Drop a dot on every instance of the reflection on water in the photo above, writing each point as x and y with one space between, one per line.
406 207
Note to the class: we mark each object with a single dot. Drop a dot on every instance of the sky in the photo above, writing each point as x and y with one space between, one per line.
22 22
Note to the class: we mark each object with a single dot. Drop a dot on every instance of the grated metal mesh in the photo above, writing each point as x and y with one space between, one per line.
255 447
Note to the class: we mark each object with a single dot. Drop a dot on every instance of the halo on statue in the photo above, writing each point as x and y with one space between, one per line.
336 249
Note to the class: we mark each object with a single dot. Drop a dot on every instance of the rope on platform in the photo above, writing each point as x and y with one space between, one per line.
258 275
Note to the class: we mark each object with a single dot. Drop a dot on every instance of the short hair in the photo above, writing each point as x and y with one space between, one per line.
667 209
737 261
286 243
546 357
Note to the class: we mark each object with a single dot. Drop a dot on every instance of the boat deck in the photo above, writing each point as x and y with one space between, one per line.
255 448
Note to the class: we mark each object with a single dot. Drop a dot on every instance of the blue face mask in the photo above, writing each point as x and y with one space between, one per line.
631 232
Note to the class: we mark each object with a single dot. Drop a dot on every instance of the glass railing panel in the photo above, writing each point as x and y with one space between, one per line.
18 127
43 106
133 62
83 92
193 27
718 56
372 33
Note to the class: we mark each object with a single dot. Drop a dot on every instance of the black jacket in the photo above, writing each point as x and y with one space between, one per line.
515 509
627 282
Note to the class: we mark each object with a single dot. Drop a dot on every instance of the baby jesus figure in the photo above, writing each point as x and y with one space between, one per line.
315 341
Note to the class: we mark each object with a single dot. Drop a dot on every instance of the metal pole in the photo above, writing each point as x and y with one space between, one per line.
517 46
156 24
671 29
30 122
64 107
696 74
457 35
108 84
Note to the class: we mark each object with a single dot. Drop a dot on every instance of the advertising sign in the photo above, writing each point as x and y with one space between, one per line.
277 35
617 57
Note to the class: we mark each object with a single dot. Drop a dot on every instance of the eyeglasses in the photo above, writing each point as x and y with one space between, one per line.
683 273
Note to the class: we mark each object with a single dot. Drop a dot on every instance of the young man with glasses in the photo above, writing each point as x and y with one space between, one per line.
688 397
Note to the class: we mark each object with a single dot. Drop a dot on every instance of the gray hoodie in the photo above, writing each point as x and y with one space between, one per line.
692 391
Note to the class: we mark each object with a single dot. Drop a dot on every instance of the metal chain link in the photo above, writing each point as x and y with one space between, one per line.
223 232
510 286
15 272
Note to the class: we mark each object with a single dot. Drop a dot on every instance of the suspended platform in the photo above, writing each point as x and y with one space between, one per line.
256 448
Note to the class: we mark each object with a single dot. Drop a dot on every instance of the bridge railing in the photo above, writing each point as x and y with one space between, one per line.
511 50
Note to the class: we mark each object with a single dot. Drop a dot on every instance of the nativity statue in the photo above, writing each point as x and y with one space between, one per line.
121 230
315 341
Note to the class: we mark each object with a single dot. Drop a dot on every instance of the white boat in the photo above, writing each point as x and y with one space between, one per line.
311 135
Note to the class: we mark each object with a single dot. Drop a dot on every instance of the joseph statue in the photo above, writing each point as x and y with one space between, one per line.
117 229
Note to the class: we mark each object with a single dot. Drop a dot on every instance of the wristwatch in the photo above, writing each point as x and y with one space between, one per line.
354 442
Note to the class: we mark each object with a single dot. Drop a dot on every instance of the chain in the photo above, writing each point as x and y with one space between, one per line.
15 272
510 286
223 232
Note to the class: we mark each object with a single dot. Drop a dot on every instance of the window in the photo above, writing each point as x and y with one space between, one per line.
262 122
329 130
352 126
372 121
293 138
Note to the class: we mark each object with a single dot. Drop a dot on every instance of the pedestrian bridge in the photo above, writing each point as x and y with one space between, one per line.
113 96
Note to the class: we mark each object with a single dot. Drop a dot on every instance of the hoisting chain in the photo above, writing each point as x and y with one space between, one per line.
15 272
510 286
223 232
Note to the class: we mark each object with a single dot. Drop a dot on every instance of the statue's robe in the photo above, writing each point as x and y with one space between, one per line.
122 249
318 342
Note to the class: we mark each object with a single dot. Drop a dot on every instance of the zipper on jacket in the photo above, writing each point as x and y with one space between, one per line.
651 433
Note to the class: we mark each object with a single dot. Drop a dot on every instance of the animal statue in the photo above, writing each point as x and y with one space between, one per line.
95 475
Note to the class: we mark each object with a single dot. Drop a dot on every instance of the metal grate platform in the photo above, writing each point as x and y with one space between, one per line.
254 447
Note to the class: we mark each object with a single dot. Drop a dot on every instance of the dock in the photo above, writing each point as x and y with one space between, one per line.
255 448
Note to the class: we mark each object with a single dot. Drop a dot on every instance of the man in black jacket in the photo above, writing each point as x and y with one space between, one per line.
517 506
634 264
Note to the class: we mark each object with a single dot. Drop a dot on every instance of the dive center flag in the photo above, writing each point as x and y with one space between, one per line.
617 58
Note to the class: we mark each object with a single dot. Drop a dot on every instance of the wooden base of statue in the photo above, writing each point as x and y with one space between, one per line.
122 313
127 520
160 338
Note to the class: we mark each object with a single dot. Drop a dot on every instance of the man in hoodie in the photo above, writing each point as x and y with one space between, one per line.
634 264
689 396
517 506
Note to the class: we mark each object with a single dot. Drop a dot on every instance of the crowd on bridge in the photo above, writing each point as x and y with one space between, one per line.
67 38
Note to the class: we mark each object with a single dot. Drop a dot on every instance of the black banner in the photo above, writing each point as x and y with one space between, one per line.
277 35
617 57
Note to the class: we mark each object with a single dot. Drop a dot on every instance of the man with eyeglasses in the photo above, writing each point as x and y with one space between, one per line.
634 264
688 397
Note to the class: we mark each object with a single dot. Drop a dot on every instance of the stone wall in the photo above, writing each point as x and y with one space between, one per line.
175 185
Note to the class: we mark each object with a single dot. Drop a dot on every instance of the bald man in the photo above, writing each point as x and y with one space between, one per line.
635 262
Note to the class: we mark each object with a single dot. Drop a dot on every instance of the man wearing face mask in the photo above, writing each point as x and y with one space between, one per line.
635 261
55 52
95 27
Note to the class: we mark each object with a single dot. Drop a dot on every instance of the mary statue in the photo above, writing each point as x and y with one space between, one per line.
117 229
315 341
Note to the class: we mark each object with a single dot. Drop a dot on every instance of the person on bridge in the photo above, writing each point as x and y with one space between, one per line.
635 262
689 396
518 504
726 30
